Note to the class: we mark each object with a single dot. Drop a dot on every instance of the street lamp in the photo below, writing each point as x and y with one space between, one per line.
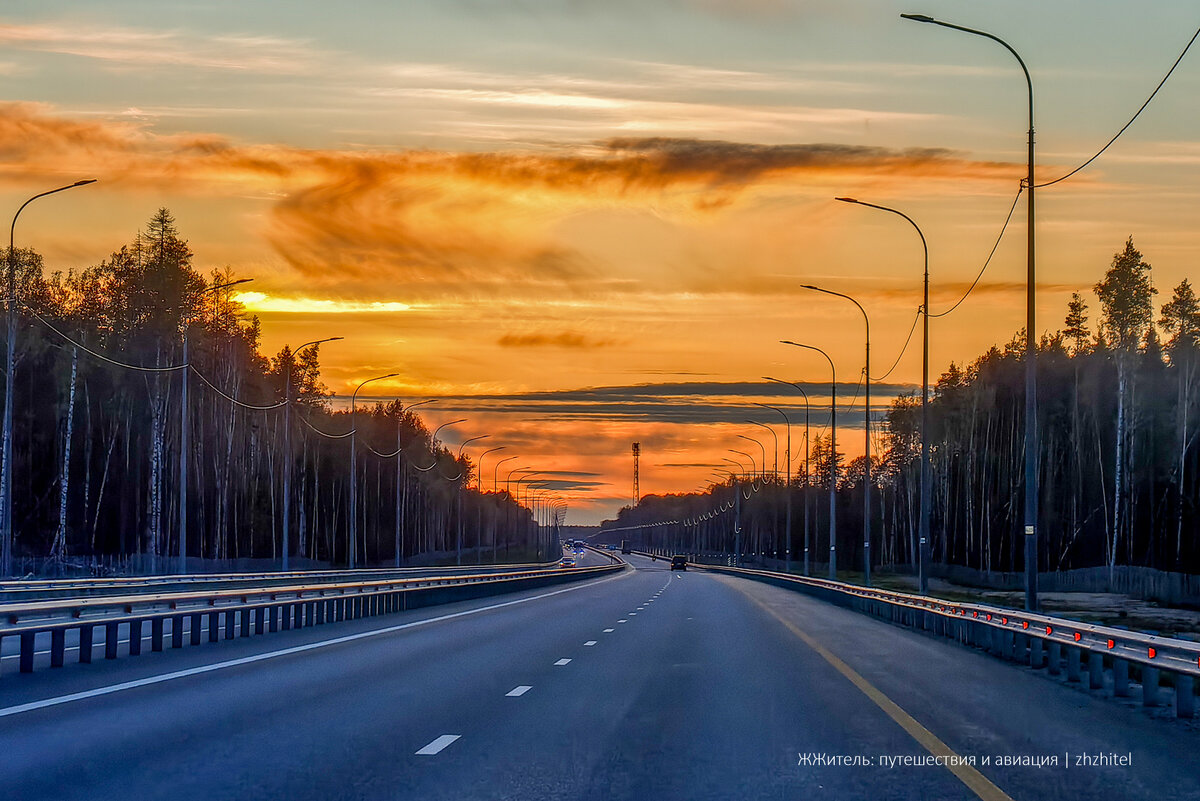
6 460
866 433
185 431
787 474
753 467
287 446
761 448
479 466
923 555
401 478
1031 455
833 474
775 437
350 552
496 471
807 447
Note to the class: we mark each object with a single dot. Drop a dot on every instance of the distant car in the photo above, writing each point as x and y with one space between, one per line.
678 562
566 561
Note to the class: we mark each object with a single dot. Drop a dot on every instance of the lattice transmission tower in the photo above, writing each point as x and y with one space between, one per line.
637 493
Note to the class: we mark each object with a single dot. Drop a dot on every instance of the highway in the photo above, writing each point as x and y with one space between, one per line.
646 684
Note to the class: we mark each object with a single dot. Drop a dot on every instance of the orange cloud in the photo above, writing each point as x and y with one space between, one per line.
411 222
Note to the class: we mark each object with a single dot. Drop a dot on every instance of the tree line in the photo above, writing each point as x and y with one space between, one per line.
97 434
1118 471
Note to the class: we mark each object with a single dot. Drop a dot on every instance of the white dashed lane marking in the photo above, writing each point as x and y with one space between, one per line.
438 745
518 691
590 642
562 662
609 631
622 620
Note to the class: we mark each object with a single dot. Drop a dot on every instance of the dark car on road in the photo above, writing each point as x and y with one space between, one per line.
678 562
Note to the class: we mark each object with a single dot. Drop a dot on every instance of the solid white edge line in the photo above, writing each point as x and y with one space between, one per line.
296 649
438 745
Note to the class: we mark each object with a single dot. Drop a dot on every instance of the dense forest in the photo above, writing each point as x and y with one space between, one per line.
97 429
1117 464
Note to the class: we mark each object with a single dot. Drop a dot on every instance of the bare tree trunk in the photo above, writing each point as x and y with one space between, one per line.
1118 467
58 550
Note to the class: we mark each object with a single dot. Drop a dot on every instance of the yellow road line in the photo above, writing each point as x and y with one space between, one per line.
976 781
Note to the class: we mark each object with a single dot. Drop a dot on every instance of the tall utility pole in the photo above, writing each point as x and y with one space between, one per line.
287 446
637 493
10 361
1031 444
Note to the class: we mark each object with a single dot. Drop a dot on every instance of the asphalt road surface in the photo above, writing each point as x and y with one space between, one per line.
645 685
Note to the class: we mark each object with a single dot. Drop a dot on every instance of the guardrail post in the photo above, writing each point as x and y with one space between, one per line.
214 626
58 647
299 611
1120 678
260 621
195 628
177 631
1185 696
1072 663
1149 686
26 660
85 644
1037 653
111 637
1055 658
285 612
1095 671
229 621
244 615
156 634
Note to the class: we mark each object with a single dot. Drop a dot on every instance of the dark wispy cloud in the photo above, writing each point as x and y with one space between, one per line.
563 339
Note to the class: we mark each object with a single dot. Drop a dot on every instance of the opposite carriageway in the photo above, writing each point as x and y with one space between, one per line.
213 615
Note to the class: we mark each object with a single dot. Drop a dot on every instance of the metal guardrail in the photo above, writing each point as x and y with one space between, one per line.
1040 641
229 613
18 589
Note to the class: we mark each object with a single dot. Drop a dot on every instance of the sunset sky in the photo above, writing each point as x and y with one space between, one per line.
581 223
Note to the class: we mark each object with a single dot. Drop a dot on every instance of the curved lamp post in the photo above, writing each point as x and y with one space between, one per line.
1031 455
866 432
775 437
763 451
6 465
351 551
833 472
496 471
807 446
287 449
923 532
402 479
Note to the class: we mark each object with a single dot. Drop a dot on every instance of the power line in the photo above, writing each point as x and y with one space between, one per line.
166 369
322 433
234 400
1131 119
903 349
988 261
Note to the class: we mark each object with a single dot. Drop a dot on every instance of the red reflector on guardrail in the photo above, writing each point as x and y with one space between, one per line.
1024 624
1078 636
1049 630
1111 643
1153 653
975 613
1004 620
989 617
